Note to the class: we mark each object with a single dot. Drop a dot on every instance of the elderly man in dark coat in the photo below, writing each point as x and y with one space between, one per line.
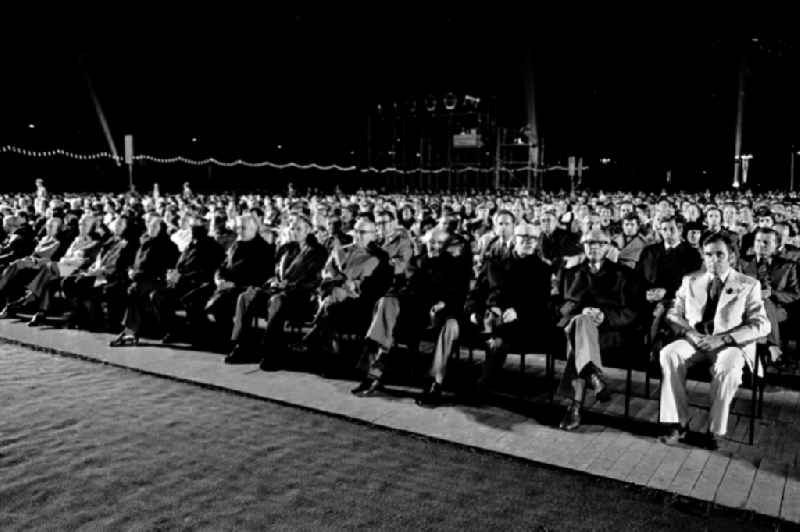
511 298
156 254
249 262
289 294
193 272
432 297
600 299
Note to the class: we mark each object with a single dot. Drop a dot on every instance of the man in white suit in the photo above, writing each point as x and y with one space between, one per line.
719 315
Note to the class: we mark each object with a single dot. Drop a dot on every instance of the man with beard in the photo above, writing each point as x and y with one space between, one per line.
287 295
511 298
600 299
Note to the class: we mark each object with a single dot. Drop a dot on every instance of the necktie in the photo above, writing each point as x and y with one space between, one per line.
763 271
714 289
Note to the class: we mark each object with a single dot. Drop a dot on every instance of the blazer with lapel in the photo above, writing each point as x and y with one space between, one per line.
740 310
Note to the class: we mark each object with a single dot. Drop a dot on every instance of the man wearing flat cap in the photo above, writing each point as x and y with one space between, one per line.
600 299
511 300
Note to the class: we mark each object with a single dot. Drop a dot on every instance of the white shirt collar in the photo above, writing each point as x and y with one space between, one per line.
723 277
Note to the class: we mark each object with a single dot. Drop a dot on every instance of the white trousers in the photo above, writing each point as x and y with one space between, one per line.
726 376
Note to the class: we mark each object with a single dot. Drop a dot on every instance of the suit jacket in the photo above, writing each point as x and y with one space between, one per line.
559 244
613 289
782 279
444 278
740 310
398 246
665 269
248 262
630 250
198 261
114 257
301 269
521 283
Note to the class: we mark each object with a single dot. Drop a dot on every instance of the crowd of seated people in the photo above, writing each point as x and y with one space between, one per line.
511 271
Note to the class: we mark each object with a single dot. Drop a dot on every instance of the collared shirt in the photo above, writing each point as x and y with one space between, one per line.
710 276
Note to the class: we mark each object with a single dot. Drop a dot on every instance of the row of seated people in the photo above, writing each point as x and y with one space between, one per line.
379 283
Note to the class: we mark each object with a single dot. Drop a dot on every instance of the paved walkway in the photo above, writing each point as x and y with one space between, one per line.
764 478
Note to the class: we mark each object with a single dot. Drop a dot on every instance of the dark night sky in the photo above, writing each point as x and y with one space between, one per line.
649 96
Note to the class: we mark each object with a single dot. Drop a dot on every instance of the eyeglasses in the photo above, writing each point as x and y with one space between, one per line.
365 231
595 243
527 238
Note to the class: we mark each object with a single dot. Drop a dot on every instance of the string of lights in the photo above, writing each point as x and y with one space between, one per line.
263 164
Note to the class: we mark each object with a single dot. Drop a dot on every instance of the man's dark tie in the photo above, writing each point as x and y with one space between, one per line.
714 289
763 271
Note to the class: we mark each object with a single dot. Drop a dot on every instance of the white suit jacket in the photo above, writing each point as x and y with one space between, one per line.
740 311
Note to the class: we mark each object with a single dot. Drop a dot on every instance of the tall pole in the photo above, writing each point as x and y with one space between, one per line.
791 171
737 149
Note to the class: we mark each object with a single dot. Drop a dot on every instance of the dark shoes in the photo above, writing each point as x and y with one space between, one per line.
8 312
169 338
367 388
601 392
269 363
572 419
240 355
124 339
676 434
431 397
708 441
37 319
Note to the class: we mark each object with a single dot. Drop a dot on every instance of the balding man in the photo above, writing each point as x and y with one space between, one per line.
510 299
249 262
287 295
353 279
600 299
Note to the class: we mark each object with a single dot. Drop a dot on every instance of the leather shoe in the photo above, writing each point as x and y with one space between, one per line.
37 319
709 441
601 392
7 312
572 419
124 339
367 388
432 396
675 436
239 356
269 363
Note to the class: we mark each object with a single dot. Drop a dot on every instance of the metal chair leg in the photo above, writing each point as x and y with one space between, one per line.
628 392
754 398
522 374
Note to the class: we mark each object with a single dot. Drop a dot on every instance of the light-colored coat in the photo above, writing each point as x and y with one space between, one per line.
740 311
